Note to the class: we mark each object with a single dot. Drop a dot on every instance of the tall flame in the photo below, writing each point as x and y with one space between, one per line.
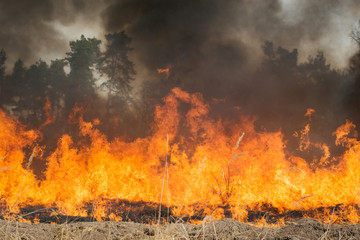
189 160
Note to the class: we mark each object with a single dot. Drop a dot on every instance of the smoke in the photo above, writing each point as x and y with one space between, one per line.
40 29
207 42
202 39
215 47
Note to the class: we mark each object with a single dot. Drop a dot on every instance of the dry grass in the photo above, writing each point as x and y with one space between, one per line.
209 229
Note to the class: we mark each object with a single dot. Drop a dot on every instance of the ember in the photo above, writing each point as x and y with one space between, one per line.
165 71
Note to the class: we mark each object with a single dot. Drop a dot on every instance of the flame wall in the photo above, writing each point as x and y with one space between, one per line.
188 161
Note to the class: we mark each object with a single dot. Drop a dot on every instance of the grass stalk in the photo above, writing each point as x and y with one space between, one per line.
166 174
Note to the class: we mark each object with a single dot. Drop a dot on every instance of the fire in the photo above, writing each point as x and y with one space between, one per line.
190 163
165 71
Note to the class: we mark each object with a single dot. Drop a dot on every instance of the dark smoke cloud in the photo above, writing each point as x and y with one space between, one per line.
28 30
190 35
211 42
215 48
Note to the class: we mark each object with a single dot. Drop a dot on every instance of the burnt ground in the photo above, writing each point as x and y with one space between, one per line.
221 229
147 213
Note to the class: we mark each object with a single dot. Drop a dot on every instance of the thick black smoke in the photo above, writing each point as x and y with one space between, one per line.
212 42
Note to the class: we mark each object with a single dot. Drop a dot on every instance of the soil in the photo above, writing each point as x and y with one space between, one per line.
221 229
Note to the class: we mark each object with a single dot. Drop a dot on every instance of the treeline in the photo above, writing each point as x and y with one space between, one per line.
278 92
42 91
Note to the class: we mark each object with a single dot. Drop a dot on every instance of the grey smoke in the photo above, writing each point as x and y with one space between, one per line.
217 40
30 29
215 47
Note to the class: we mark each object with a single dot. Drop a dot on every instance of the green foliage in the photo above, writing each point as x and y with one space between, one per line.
116 65
34 92
280 78
83 57
16 82
118 70
84 54
25 91
57 83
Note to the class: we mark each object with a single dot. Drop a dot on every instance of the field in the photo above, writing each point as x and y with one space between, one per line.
221 229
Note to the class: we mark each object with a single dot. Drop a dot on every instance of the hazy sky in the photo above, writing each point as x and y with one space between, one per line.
336 40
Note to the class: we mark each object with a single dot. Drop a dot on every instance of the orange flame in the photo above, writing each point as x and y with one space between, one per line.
309 113
165 71
189 161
